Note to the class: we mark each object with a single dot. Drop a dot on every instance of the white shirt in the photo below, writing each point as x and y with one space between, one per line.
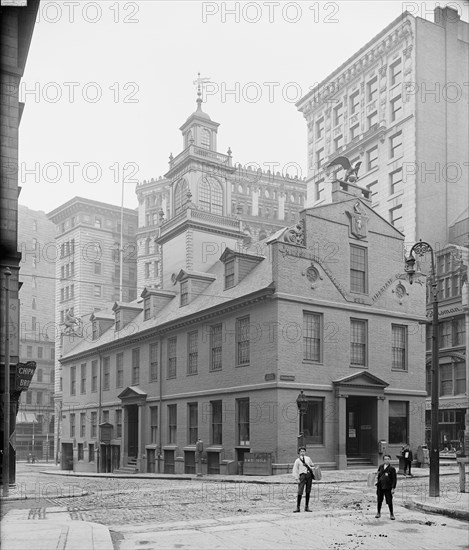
300 468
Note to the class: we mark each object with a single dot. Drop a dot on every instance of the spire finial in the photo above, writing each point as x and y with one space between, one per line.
200 82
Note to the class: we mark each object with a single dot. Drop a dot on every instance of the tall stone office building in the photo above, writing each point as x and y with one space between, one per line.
35 419
88 268
400 106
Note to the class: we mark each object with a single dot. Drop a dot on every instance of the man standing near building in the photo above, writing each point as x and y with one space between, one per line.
303 474
386 485
408 457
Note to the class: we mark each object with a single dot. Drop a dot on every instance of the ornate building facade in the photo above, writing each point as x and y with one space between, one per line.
400 107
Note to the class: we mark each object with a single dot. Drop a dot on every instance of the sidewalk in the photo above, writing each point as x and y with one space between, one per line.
59 531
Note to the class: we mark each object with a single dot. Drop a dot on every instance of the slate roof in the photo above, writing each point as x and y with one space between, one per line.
214 295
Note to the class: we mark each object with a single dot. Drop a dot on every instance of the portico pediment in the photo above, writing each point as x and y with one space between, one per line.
362 379
132 393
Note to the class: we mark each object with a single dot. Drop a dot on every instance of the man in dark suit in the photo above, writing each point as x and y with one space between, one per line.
386 485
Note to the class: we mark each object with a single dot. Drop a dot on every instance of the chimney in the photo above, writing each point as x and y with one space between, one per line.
446 15
342 190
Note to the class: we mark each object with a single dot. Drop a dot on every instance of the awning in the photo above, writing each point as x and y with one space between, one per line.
26 418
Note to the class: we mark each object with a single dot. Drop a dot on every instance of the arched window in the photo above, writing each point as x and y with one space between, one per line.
180 195
210 195
205 140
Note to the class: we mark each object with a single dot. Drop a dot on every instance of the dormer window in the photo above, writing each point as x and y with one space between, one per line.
184 293
229 274
146 309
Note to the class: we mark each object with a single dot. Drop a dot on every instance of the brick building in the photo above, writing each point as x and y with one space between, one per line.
88 266
400 106
222 350
265 201
35 419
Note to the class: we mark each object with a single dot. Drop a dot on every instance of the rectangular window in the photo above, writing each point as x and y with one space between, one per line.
136 366
338 114
118 423
106 373
313 422
372 119
398 422
242 414
94 424
153 424
312 326
172 424
217 423
459 378
80 451
216 347
459 332
83 425
372 157
119 370
146 309
29 351
372 89
72 425
396 108
399 347
39 398
192 352
320 128
91 452
395 181
373 187
94 376
395 71
229 274
358 342
106 417
319 158
446 380
395 143
147 270
172 366
153 362
319 189
193 424
97 268
358 269
73 380
395 217
242 341
354 131
338 142
354 102
184 293
446 333
83 379
97 291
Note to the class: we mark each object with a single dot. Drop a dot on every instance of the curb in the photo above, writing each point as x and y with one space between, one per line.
455 514
26 497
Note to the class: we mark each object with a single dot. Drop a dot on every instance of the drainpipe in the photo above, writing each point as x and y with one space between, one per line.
160 412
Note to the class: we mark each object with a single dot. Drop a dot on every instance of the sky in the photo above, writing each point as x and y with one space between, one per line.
108 84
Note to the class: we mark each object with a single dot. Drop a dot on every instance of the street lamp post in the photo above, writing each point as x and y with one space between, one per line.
302 403
420 249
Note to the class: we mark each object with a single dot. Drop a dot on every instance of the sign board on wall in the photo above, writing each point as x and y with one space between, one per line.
24 375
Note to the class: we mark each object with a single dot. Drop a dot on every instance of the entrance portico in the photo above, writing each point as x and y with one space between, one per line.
133 442
359 402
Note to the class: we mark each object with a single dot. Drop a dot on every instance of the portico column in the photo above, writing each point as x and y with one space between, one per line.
141 439
123 459
341 458
381 420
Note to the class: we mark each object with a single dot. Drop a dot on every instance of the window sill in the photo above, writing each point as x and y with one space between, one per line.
399 370
359 366
312 362
244 365
192 374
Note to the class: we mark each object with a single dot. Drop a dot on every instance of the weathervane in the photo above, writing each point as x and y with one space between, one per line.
200 81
